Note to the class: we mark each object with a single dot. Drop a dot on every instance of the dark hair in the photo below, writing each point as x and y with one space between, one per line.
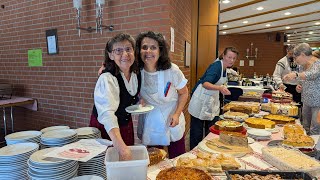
290 47
110 64
164 61
232 49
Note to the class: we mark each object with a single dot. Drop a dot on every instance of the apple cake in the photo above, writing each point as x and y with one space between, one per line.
298 140
292 129
233 138
260 123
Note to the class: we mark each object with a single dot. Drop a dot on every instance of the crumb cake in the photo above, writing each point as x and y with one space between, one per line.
254 106
279 119
185 173
233 138
260 123
228 125
292 129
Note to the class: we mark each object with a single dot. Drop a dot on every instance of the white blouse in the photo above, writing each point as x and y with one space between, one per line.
107 97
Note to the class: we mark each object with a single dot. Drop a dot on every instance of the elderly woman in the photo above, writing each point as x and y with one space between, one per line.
310 85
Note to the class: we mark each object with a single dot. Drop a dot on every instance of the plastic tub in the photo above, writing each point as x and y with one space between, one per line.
135 169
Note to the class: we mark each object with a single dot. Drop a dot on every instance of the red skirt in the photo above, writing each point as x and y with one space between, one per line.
125 131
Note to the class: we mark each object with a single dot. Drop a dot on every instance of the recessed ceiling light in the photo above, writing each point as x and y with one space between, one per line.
317 23
310 32
288 44
224 32
225 26
307 39
288 40
268 25
288 35
225 1
245 22
287 13
288 27
260 8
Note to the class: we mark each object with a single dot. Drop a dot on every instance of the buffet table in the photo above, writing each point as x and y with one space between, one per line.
251 161
245 89
28 103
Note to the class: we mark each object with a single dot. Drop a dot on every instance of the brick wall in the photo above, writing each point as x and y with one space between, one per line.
269 51
64 84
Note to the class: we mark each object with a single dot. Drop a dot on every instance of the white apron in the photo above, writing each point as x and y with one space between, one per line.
156 130
204 103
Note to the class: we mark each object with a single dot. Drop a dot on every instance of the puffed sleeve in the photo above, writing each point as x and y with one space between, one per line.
179 81
106 100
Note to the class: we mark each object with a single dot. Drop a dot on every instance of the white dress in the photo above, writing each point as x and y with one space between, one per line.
156 130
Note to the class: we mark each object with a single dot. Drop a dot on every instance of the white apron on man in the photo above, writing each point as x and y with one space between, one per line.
204 103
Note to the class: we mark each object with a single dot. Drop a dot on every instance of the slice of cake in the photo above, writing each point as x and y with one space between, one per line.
260 123
156 155
284 109
233 139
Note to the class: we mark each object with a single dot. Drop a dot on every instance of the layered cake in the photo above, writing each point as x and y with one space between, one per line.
242 109
266 107
284 109
260 123
235 115
279 119
233 138
228 125
289 129
298 140
156 155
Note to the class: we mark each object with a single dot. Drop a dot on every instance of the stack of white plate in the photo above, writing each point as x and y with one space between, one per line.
259 134
13 160
44 130
94 166
58 138
87 177
88 133
43 168
23 136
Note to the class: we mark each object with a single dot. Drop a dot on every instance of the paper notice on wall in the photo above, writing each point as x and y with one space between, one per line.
251 62
241 63
35 57
172 39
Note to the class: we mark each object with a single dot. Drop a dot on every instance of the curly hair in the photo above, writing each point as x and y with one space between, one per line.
110 65
164 61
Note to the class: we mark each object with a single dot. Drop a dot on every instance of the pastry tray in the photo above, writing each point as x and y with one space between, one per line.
282 165
286 175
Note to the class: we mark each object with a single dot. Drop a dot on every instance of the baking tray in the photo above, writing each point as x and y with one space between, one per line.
286 175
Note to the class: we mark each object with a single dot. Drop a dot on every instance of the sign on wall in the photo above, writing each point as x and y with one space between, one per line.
35 57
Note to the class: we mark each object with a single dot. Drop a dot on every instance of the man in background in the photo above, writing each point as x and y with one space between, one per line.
285 66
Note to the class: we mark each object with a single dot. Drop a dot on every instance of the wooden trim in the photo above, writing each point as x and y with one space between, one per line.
284 18
273 11
194 42
303 31
241 5
279 26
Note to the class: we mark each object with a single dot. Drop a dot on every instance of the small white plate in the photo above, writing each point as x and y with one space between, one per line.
138 109
259 132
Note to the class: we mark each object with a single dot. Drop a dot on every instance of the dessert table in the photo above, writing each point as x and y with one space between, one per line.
245 89
28 103
251 161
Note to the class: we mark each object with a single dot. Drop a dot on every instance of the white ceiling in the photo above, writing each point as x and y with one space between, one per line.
302 20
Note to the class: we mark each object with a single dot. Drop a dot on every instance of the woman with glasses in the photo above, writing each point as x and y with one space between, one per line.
204 106
164 87
309 88
117 88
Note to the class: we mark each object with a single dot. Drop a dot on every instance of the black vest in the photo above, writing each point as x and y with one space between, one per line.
125 100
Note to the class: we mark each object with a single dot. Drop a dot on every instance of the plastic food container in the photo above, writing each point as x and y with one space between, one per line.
135 169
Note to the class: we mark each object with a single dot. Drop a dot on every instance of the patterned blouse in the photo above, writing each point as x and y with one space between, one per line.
310 93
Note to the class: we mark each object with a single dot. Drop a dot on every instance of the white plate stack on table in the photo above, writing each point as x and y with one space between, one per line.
87 177
44 130
23 136
58 138
13 160
94 166
259 134
88 133
43 168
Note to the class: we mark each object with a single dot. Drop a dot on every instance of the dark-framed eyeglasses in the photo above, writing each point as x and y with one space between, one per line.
119 51
152 47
